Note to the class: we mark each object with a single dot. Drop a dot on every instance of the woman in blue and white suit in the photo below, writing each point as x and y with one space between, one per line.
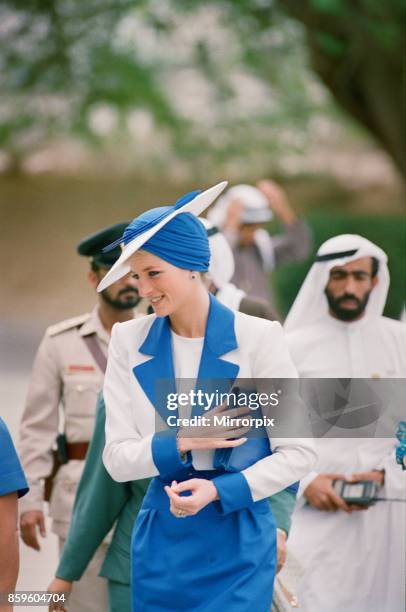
205 538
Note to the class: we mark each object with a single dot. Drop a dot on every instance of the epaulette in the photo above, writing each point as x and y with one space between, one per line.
63 326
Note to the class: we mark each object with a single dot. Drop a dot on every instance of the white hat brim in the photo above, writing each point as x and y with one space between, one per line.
195 206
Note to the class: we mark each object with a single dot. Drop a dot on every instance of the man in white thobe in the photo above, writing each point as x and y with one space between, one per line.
354 559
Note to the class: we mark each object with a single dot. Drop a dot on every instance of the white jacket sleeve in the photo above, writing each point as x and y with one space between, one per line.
127 455
292 458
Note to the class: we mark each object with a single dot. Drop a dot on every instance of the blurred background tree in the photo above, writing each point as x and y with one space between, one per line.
225 81
110 106
357 48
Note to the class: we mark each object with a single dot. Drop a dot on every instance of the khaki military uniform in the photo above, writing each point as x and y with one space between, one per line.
62 396
64 385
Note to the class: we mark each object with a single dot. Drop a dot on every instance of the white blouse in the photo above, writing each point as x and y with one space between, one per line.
186 359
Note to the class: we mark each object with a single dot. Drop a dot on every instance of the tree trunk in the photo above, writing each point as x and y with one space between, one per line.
358 55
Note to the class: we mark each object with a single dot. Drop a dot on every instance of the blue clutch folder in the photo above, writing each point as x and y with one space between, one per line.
241 457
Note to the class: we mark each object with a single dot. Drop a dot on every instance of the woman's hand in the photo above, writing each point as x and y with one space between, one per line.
202 493
62 587
213 435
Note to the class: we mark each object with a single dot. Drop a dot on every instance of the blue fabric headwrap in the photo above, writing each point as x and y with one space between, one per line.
182 241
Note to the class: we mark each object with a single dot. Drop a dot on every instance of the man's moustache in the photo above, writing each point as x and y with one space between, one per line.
129 290
348 297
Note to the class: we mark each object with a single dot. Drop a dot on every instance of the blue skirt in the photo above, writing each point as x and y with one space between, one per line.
209 562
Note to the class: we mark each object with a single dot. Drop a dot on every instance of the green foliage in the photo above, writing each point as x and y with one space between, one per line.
330 7
330 44
357 49
387 232
67 50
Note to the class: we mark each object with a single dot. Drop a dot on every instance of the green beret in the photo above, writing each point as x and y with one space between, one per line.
93 245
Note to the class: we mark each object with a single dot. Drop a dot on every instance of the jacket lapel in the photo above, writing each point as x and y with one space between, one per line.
156 376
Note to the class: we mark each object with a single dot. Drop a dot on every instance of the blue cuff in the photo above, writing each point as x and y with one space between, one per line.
233 491
166 456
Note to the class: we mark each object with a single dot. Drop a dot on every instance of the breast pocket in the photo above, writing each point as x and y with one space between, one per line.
80 396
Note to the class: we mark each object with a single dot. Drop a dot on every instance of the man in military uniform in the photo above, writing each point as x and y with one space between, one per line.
66 378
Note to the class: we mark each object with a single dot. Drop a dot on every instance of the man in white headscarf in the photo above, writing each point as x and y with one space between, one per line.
354 560
241 214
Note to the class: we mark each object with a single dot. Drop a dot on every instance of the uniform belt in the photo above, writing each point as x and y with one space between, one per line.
77 450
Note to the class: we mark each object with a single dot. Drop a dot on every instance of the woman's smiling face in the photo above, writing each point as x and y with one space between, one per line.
165 286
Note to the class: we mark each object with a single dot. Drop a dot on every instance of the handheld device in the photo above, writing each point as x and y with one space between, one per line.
362 493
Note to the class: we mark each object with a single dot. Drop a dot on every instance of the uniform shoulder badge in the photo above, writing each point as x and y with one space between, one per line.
68 324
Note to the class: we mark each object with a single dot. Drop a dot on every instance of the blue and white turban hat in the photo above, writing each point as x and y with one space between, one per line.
173 233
